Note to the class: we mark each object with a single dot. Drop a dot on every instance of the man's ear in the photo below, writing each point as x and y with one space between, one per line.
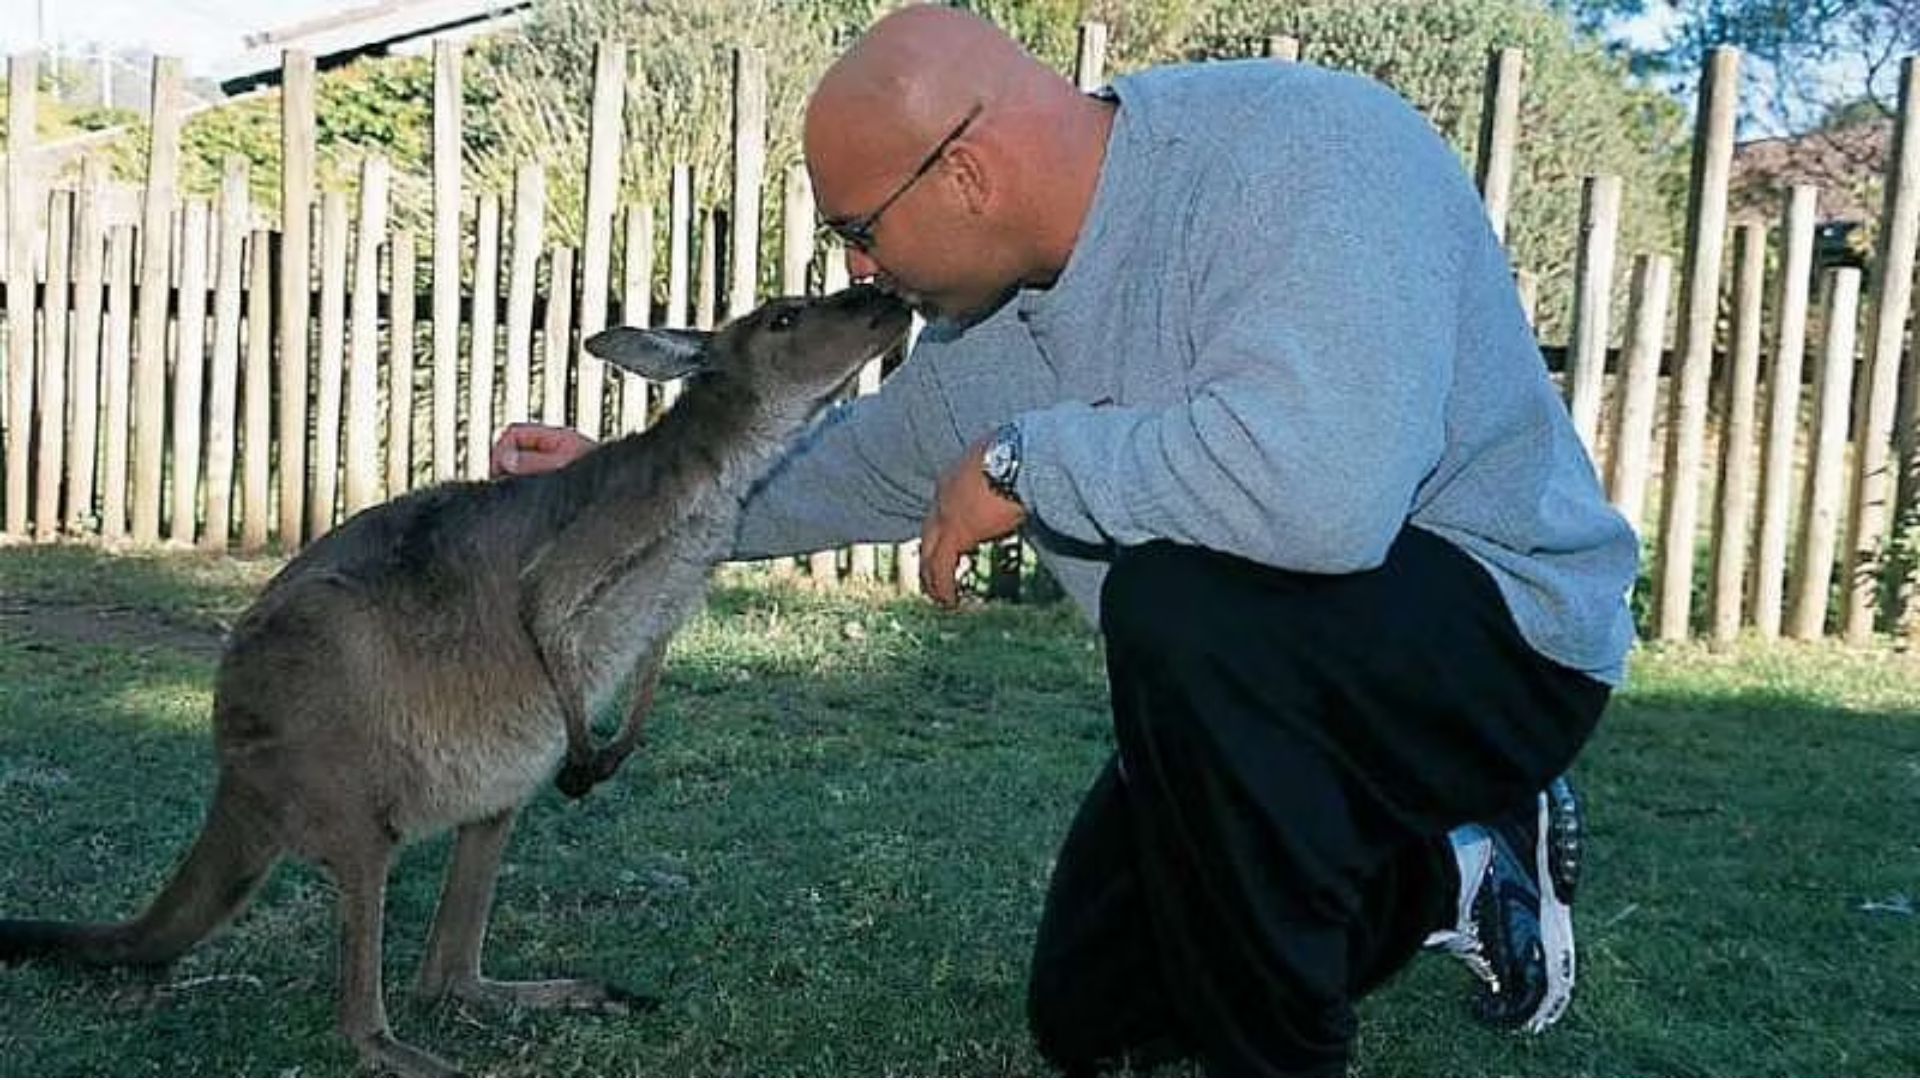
660 355
972 176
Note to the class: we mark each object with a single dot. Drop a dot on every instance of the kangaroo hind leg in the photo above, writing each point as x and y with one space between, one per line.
361 876
452 965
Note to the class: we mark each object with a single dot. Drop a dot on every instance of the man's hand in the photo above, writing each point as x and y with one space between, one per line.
966 513
529 449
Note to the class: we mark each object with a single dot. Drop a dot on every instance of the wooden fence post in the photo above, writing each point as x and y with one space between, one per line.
1813 572
482 344
52 389
679 269
796 237
255 465
596 250
706 279
1735 517
223 382
89 250
1592 305
1499 134
297 140
189 376
636 307
402 271
116 382
556 348
326 422
1090 59
483 347
1875 464
447 206
529 238
150 353
1282 47
1699 306
1640 385
749 170
23 227
363 460
1904 168
1783 409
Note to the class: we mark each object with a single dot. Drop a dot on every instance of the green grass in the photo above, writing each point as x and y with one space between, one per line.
832 856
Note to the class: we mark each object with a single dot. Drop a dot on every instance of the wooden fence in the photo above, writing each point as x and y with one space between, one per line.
206 377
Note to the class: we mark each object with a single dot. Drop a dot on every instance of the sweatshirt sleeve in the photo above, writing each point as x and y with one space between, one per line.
1323 324
864 473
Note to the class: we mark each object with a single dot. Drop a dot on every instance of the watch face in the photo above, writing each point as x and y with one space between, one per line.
998 457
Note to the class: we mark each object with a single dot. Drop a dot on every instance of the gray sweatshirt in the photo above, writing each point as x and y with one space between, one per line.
1285 333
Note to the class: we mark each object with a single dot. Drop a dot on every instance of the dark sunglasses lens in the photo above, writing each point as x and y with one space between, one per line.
848 234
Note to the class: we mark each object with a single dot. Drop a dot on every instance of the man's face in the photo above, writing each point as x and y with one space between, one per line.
908 226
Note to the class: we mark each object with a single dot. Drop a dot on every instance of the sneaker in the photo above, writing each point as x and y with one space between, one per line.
1514 928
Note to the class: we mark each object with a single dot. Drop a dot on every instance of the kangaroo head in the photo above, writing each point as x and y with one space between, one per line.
793 348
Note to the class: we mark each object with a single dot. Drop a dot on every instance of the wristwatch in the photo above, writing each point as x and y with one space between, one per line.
1001 461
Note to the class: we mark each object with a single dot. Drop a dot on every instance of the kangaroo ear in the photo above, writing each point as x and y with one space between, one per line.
654 354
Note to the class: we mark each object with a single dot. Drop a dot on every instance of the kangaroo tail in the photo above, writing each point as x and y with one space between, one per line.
232 855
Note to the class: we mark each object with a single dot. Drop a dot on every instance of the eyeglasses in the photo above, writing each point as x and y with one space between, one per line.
857 233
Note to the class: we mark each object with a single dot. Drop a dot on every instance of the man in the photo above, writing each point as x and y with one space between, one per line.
1234 348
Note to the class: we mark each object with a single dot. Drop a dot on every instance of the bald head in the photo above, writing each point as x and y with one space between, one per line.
906 82
918 69
1011 188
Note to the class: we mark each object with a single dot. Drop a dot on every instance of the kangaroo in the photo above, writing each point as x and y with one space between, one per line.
431 662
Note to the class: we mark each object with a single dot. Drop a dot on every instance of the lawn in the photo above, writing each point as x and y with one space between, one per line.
831 857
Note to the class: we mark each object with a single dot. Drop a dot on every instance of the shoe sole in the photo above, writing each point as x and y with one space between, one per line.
1558 818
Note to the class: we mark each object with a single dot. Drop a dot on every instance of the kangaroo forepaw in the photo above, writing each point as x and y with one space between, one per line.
576 778
581 774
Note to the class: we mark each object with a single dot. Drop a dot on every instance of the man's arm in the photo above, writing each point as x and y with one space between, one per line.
865 473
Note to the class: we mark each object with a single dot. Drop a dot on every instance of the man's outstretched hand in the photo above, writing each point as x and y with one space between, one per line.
966 513
530 449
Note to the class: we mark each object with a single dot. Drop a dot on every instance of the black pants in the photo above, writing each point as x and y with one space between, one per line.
1269 842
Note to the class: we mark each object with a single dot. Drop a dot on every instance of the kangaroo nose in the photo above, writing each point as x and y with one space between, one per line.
860 265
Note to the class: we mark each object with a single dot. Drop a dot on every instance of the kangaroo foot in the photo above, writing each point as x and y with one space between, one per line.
590 994
382 1052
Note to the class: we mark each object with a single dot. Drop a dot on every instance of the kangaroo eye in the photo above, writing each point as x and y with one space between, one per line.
784 321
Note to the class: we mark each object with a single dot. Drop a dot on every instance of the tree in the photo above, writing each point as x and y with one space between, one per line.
1805 57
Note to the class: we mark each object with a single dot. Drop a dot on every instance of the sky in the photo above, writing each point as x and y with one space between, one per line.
200 32
203 31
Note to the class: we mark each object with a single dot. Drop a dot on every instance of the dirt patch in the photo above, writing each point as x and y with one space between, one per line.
97 624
